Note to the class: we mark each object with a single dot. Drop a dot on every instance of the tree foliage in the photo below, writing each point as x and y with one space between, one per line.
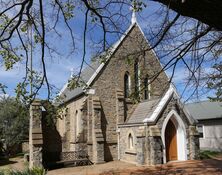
181 40
215 82
14 123
208 12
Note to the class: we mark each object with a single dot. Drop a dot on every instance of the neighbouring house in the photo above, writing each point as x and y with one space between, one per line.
123 112
209 116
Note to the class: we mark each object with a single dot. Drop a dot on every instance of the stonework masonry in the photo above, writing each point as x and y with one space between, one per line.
194 145
96 122
192 137
109 88
35 135
112 76
148 144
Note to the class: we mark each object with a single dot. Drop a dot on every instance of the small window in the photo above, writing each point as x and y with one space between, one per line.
126 85
130 141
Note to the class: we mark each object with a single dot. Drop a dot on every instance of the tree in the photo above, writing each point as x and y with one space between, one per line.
14 124
215 82
180 40
208 12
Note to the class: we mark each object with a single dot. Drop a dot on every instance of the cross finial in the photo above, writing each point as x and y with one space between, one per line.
133 8
72 72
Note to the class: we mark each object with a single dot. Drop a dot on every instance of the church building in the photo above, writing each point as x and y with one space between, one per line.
125 111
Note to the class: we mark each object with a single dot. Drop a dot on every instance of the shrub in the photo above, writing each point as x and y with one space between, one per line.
33 171
208 154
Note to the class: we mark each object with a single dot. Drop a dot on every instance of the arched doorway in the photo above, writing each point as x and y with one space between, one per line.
175 124
171 141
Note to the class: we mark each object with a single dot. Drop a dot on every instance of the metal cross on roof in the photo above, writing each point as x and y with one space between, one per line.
133 8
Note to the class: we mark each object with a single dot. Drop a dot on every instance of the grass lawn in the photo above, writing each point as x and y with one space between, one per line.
209 154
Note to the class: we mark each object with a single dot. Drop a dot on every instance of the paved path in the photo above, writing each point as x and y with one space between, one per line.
16 163
210 166
194 167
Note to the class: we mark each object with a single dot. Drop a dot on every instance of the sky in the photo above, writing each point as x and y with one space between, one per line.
59 67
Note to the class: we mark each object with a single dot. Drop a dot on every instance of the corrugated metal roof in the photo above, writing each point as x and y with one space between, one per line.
205 110
143 110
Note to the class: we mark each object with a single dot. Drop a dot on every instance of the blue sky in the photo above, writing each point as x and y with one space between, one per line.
59 67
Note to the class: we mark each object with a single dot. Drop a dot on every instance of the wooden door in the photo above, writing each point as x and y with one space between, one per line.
171 141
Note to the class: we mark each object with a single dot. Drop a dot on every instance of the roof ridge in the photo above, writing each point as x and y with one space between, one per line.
108 56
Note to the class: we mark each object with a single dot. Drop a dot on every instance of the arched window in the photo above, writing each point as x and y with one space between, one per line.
136 77
146 88
130 141
78 122
126 85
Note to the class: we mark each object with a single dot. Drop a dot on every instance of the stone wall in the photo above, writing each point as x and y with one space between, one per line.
52 142
141 145
107 108
190 137
194 146
35 135
131 154
112 77
67 126
154 146
149 147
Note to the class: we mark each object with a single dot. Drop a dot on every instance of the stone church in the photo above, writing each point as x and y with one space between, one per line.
125 112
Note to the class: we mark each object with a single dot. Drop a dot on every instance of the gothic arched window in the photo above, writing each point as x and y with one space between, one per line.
136 77
130 141
146 88
78 123
126 85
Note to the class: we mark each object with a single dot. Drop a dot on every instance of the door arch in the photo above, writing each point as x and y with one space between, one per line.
181 142
171 141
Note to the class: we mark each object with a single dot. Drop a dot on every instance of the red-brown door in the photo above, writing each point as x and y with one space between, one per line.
171 141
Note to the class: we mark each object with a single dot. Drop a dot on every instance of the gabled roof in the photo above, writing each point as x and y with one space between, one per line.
90 73
143 110
66 94
205 110
163 103
149 111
